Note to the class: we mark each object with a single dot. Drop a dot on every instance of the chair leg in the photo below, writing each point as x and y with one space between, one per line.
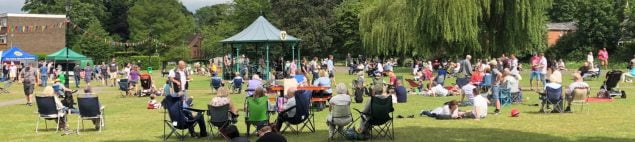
78 119
57 128
37 124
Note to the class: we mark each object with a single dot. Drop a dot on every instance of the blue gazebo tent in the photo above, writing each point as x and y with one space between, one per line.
16 54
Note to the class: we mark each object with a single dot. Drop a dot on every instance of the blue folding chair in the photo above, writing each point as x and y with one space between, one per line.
505 96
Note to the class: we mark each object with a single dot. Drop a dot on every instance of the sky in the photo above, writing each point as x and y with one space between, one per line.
14 6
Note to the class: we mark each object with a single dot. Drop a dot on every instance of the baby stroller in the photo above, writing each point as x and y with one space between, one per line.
146 85
609 87
124 87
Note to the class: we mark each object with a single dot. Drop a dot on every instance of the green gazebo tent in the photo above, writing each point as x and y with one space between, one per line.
62 55
262 31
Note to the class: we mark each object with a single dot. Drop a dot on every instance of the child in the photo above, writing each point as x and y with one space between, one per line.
153 104
479 110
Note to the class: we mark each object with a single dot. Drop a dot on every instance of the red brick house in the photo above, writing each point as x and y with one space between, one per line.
33 33
195 45
557 30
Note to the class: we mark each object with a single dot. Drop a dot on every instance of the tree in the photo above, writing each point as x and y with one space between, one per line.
163 20
563 10
449 28
346 35
311 21
92 44
598 23
212 15
216 25
117 23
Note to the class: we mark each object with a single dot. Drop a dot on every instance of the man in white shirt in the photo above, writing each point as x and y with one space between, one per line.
179 78
543 66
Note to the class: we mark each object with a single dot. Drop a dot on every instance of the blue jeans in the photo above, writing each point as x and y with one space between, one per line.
77 80
542 78
495 92
43 80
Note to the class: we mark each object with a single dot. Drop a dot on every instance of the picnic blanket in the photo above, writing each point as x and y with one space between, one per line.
595 99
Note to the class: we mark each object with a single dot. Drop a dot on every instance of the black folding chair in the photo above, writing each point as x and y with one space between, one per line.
220 118
47 110
303 117
90 109
379 118
178 121
552 96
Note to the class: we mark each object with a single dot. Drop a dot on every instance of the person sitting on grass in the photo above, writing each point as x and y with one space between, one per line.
153 104
449 110
467 91
578 83
438 90
221 99
584 70
479 111
266 135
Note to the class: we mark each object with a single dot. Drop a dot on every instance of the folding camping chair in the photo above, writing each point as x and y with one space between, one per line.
505 96
580 96
379 115
146 85
89 109
178 121
304 117
5 89
256 112
552 96
413 84
47 110
216 82
220 118
124 87
237 86
341 112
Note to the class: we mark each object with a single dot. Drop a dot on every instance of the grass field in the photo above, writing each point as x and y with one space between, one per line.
127 119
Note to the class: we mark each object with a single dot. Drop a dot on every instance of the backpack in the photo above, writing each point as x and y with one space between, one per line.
359 93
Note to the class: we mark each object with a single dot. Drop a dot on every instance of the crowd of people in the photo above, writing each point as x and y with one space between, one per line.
480 84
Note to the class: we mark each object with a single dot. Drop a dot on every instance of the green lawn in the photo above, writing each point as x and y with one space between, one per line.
129 120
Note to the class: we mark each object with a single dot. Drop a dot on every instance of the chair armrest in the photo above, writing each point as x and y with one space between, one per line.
102 107
360 112
285 111
195 110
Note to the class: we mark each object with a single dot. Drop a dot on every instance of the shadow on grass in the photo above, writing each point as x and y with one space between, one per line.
484 134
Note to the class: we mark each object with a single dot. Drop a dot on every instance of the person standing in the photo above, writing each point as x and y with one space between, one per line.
465 71
331 67
543 68
179 78
603 56
30 75
13 72
112 71
589 58
77 69
89 73
43 75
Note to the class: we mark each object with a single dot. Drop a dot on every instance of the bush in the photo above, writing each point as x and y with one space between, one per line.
40 56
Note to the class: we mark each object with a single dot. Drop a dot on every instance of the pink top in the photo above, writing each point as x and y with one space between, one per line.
603 55
535 60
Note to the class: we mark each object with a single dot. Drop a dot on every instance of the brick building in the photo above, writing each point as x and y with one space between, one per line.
33 33
557 30
195 45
